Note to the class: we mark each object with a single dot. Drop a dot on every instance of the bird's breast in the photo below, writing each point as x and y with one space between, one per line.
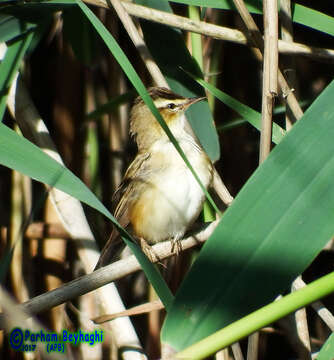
171 199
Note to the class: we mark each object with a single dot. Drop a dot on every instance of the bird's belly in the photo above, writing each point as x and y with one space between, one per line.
170 203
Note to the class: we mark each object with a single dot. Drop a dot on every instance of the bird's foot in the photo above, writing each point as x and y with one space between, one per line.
148 251
176 246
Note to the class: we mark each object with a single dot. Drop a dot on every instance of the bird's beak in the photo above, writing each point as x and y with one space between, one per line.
192 101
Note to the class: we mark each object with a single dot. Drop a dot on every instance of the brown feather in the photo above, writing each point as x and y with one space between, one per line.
120 205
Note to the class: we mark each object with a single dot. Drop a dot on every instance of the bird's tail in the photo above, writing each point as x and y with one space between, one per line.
110 250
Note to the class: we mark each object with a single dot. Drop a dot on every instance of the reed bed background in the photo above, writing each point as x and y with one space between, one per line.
80 66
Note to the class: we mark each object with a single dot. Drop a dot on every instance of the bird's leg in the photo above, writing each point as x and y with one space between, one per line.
176 246
148 251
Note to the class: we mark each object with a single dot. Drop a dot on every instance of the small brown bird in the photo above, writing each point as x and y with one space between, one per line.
159 198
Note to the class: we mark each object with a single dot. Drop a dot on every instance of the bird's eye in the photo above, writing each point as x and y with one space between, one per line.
171 106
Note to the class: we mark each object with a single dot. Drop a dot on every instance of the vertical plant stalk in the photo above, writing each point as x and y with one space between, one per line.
270 14
90 163
253 346
255 35
18 279
139 43
213 61
196 39
88 309
197 53
236 350
54 250
222 355
302 331
270 67
288 62
153 345
266 110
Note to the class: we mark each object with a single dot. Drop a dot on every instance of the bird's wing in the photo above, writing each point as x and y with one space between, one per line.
120 206
125 192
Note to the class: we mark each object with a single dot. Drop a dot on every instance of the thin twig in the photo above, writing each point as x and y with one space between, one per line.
142 49
135 310
106 275
215 31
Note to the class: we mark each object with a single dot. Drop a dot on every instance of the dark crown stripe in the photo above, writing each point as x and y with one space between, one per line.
160 92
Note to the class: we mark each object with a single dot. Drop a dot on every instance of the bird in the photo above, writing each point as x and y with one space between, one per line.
159 198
